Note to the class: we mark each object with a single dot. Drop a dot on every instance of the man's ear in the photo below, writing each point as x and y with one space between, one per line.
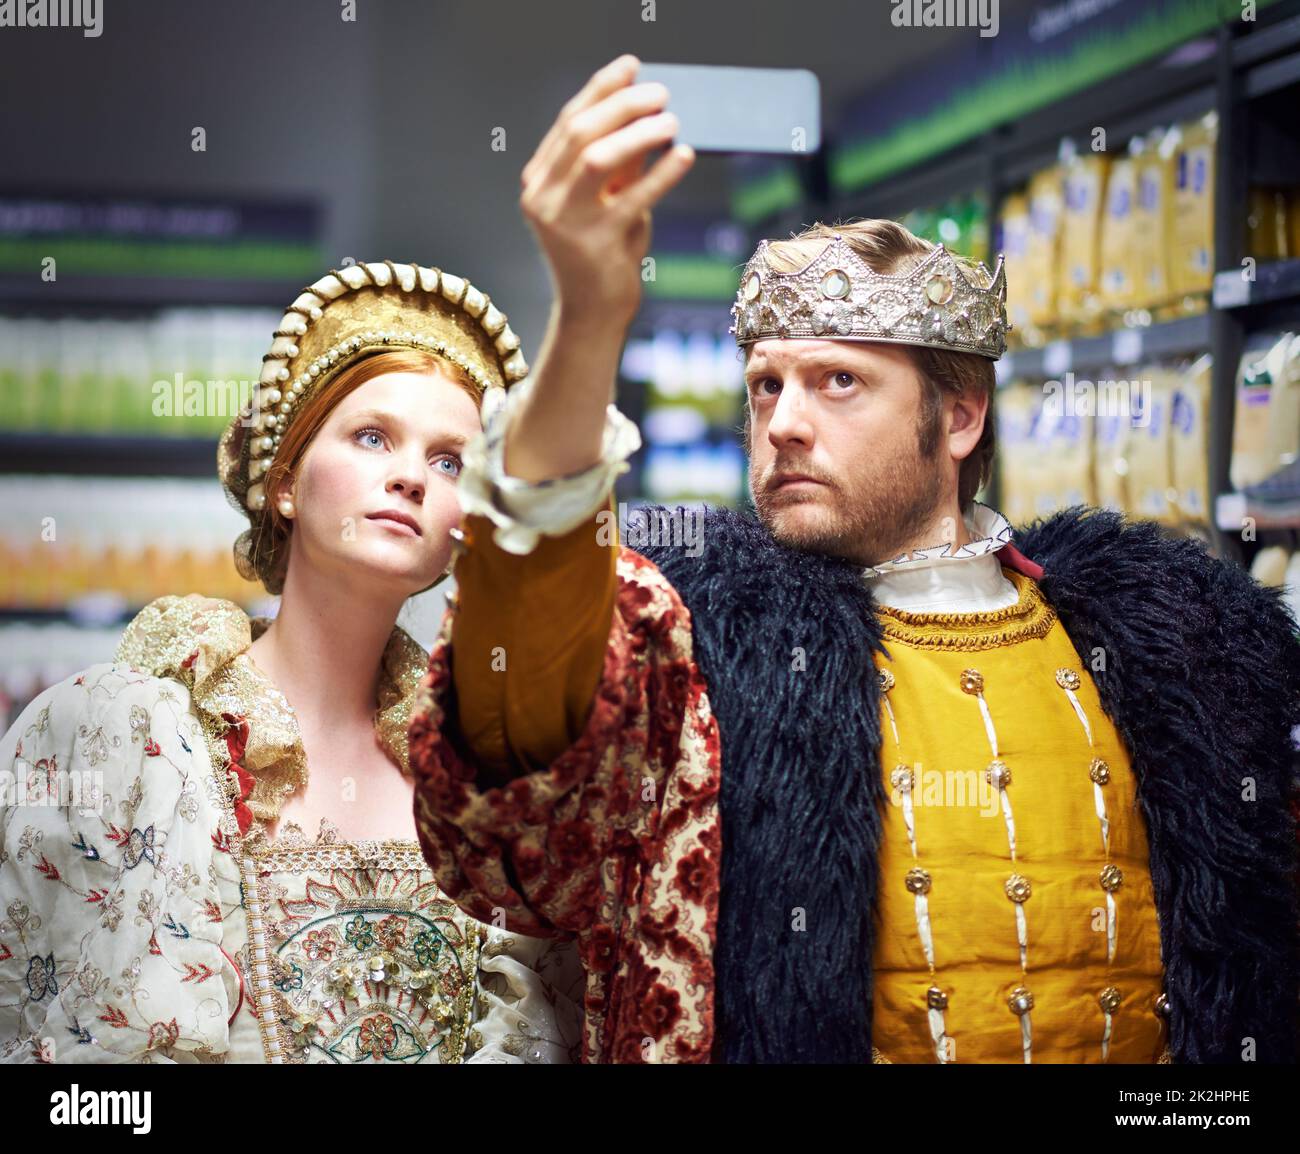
965 418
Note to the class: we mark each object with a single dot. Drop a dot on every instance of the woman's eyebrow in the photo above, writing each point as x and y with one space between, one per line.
455 440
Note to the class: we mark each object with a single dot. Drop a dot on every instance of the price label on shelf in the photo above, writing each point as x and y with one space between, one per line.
1057 358
1231 289
1126 346
1230 511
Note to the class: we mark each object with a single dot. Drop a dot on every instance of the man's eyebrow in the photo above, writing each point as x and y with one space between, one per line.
820 361
455 440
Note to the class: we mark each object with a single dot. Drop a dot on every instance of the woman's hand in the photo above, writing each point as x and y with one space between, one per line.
588 199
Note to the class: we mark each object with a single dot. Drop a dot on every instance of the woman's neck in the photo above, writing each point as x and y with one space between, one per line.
324 650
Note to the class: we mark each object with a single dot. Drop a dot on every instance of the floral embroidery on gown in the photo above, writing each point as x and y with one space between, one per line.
150 917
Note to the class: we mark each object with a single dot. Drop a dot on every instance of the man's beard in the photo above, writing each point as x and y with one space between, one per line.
868 523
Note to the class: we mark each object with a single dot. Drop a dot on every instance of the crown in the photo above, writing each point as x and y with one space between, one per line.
945 302
343 316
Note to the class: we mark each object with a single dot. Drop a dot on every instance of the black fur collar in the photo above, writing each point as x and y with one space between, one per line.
1202 681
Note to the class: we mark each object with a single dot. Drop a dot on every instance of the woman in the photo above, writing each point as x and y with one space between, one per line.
237 876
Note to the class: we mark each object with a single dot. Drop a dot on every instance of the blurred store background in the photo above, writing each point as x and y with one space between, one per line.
1165 250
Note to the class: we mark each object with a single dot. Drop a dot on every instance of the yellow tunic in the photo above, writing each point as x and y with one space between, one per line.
1084 944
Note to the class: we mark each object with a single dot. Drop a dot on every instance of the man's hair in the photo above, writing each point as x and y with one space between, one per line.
887 247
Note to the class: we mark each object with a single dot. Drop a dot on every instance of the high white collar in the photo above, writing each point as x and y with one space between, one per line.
939 579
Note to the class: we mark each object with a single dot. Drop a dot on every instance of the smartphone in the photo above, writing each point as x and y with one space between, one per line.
724 109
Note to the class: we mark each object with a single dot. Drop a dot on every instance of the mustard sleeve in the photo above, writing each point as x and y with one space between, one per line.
528 640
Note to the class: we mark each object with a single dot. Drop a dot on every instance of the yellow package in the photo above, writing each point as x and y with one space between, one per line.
1110 458
1064 439
1045 207
1150 476
1190 442
1119 272
1015 250
1265 225
1015 418
1079 269
1192 265
1266 423
1156 170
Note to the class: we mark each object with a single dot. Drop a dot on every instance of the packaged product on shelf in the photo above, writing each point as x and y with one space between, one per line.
1085 188
1293 222
1192 267
74 403
1270 565
1119 268
11 380
1150 476
1065 471
1266 425
98 407
124 367
1015 412
1046 203
1266 224
1292 586
1015 251
1156 171
1190 435
1110 459
40 369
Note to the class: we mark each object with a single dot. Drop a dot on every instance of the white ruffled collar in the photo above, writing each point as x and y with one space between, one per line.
938 578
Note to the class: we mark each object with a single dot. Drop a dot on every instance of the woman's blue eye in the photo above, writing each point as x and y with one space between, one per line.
451 461
363 433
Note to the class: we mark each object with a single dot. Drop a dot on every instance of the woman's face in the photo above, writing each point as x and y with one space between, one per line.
375 494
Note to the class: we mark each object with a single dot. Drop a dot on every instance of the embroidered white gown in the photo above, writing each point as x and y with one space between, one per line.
142 923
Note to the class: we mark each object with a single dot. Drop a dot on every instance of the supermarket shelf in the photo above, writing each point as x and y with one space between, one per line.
1273 75
1274 281
141 292
90 455
1232 509
1183 337
1267 41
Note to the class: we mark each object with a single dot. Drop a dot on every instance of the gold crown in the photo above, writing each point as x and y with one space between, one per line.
342 317
945 302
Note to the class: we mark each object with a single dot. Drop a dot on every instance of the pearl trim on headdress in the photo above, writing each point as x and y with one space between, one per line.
278 391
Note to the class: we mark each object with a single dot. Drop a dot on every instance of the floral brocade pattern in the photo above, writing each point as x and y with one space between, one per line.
629 864
367 961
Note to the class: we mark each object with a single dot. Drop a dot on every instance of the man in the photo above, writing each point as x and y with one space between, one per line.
859 778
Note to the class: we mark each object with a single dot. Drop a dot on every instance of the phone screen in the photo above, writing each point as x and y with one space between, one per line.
725 109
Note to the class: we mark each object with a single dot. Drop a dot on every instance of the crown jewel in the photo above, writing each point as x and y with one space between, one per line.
946 302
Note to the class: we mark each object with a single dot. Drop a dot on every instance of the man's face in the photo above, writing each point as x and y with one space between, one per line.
847 415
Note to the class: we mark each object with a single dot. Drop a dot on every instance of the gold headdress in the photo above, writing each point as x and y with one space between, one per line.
946 302
345 315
